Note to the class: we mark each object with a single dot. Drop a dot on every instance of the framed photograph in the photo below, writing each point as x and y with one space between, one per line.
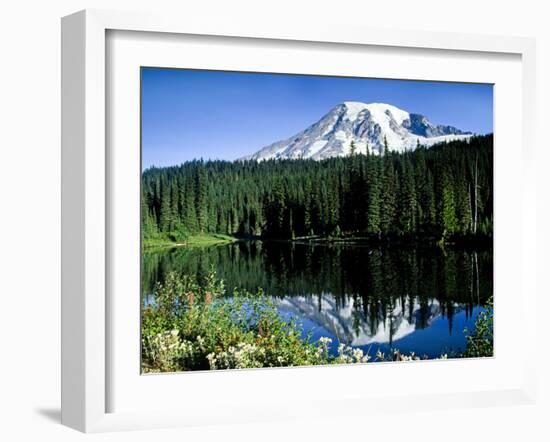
366 236
274 222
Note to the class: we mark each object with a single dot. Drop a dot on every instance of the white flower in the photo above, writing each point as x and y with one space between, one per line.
357 353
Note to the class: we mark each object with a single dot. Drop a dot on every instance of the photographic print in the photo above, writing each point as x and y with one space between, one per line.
301 220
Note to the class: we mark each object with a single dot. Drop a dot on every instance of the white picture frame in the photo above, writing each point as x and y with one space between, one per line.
86 315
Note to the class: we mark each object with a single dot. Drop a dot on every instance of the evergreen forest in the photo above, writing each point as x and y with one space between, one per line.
444 192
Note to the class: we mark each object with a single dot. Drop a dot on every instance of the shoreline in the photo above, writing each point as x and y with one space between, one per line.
216 239
201 240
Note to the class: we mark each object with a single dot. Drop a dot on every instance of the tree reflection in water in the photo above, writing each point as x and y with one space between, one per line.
416 299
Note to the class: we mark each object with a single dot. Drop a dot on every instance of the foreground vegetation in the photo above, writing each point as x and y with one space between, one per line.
479 342
190 327
444 192
193 327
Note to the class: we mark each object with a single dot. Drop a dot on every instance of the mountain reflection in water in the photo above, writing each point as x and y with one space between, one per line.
413 299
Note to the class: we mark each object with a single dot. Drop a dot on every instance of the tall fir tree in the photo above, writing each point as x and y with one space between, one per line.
407 199
165 207
446 207
388 192
373 194
201 202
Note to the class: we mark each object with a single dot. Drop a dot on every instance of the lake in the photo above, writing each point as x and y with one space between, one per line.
412 299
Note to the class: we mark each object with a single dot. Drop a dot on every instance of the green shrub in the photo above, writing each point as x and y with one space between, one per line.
479 343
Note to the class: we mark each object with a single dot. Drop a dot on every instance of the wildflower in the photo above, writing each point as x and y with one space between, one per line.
357 353
211 360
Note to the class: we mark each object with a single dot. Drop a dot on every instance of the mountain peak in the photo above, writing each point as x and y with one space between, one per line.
367 125
353 108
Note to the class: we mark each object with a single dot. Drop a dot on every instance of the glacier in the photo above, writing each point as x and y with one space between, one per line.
368 126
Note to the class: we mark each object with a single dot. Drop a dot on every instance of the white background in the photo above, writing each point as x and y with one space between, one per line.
30 216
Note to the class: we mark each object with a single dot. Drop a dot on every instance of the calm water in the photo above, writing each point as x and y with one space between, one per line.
412 299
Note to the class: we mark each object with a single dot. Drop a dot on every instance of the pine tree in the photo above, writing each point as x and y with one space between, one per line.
475 199
388 192
447 209
307 207
165 208
189 215
275 212
463 210
407 199
200 198
148 225
426 200
174 206
373 194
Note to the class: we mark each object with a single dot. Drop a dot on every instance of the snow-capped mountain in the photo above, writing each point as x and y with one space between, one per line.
366 125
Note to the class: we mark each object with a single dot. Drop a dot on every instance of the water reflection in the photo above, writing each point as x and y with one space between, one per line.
412 299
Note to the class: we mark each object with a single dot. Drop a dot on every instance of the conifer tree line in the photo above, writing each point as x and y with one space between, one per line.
442 191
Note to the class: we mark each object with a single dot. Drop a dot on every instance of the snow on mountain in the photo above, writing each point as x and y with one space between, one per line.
367 125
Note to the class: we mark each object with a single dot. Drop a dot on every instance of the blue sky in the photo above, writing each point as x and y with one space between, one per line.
189 114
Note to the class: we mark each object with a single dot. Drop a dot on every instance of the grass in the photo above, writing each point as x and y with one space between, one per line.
208 239
198 240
